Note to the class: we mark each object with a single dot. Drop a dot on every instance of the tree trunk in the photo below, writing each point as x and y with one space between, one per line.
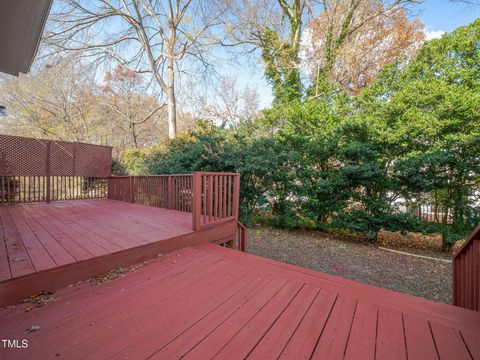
172 114
134 136
171 100
446 246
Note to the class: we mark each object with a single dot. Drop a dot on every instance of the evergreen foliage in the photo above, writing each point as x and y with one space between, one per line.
345 163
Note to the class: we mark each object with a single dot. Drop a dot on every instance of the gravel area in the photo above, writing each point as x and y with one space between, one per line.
358 261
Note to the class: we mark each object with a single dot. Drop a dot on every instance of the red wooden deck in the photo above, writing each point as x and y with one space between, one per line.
48 246
208 302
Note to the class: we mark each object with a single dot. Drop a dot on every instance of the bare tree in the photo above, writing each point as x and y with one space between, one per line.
64 100
275 28
230 104
340 20
52 102
125 96
363 53
145 36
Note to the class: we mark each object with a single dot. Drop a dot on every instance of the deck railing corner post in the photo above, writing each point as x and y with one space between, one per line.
196 201
236 196
109 187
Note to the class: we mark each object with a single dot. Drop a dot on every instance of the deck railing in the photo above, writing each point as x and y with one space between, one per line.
466 273
40 170
215 198
211 197
165 191
27 189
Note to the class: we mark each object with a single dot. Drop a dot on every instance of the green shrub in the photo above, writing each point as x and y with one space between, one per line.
341 163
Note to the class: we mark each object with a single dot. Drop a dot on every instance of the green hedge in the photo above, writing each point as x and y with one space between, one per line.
341 163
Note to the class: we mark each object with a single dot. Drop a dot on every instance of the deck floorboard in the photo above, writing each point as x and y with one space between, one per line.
18 257
36 237
211 302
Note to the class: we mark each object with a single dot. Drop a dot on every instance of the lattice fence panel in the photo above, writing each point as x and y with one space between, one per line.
62 158
92 159
22 156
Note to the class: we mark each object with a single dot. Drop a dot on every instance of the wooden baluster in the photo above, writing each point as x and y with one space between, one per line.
177 193
204 198
14 189
224 196
220 197
170 192
210 197
230 195
215 197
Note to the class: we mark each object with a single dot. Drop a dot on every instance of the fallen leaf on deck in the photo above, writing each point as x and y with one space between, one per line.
33 328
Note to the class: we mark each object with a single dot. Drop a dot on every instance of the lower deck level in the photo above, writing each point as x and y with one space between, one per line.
208 301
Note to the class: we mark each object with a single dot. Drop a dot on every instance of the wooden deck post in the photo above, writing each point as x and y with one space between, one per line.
197 201
47 195
109 187
236 196
3 190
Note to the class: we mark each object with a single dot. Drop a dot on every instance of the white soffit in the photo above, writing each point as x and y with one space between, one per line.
21 27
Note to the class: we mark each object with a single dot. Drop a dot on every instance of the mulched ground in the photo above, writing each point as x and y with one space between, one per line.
359 261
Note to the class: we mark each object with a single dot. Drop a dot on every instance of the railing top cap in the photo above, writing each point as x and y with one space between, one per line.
195 172
160 175
475 235
52 140
215 173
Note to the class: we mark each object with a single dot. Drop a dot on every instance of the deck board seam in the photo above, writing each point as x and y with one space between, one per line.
71 230
376 333
62 225
255 315
60 231
298 325
29 223
86 231
276 319
21 245
4 244
273 295
41 242
90 230
437 312
15 223
466 345
434 340
209 313
350 328
109 227
404 335
234 276
323 327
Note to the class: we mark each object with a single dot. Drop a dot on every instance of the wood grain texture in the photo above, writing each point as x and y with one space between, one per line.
211 302
49 246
